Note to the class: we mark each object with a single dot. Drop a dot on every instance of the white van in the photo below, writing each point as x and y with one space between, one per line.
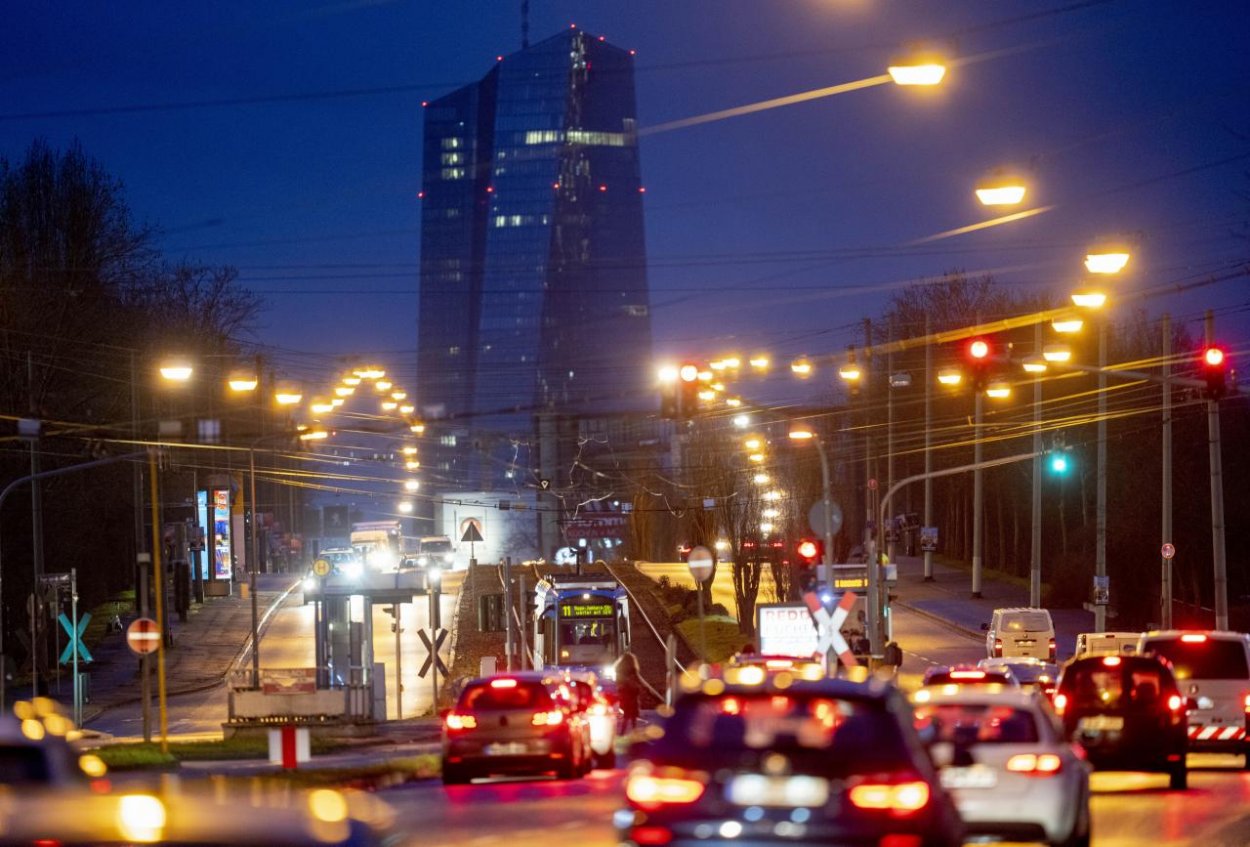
1020 632
1106 643
1213 669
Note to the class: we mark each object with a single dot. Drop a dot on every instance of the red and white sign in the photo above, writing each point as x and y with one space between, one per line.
829 626
143 636
699 561
1168 551
785 629
288 680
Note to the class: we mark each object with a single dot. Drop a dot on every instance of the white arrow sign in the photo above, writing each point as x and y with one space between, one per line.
829 626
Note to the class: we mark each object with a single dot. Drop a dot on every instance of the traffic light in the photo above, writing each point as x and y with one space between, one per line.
688 389
978 355
1215 371
808 551
1059 463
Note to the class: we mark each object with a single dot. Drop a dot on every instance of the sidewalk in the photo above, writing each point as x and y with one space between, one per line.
948 599
215 634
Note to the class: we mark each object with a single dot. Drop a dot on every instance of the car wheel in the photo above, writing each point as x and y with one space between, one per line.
1178 777
1080 829
455 776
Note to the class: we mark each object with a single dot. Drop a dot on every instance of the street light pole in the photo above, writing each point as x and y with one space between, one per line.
928 443
1100 521
977 492
253 564
826 496
1165 619
1035 541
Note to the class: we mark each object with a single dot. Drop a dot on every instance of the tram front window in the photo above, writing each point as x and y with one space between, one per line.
589 641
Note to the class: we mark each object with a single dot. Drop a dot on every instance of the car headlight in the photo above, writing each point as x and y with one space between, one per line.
383 559
422 561
448 558
310 583
352 570
608 672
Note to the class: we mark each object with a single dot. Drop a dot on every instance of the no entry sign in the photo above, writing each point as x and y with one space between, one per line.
143 636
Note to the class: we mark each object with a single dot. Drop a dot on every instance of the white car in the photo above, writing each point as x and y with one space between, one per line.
1213 669
1004 760
602 716
1020 632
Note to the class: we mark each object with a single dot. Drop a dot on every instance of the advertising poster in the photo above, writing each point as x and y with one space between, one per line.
221 534
785 629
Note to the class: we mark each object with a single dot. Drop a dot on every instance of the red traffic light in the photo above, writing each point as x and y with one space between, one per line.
1213 357
809 550
978 348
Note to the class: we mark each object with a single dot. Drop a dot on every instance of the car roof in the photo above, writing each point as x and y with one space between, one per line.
976 694
1004 661
1222 634
1126 659
1022 609
871 689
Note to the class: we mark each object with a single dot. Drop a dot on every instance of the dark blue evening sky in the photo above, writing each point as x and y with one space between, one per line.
285 139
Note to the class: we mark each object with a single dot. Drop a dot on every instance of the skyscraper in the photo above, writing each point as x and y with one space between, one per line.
533 266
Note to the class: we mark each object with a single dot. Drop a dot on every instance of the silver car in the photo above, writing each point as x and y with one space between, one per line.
1004 759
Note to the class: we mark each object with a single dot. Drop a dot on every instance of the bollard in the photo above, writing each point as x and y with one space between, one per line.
288 746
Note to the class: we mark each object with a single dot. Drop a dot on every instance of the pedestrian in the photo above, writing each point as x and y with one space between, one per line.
628 690
893 657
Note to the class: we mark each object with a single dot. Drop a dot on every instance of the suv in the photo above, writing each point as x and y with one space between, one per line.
968 675
1212 668
1106 643
750 758
1020 632
520 723
1127 713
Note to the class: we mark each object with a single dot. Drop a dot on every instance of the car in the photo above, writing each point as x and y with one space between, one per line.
1126 713
1012 773
1213 668
601 711
799 665
968 675
35 751
197 816
748 758
515 724
1106 643
1031 674
1020 632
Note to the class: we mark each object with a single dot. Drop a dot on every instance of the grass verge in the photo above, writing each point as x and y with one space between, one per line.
141 755
723 637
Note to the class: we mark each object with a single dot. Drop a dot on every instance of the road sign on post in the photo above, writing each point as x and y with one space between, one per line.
700 563
143 636
433 660
829 638
1168 551
816 518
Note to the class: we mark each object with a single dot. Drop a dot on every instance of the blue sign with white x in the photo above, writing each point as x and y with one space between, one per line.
84 655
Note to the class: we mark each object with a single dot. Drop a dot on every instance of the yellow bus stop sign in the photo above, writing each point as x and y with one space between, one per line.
321 567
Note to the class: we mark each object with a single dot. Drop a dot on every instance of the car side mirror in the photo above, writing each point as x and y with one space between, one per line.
1191 704
985 627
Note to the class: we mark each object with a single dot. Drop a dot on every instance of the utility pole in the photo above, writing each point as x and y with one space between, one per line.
1165 595
928 442
38 652
1035 541
1100 520
978 489
1217 497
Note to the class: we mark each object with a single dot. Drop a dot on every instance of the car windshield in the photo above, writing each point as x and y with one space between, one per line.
816 734
1029 672
435 547
1027 622
22 765
1212 658
979 723
487 697
1097 686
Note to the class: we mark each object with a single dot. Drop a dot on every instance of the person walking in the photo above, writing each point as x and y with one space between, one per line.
628 689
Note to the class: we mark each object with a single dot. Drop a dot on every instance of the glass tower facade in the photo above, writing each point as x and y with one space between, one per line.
533 266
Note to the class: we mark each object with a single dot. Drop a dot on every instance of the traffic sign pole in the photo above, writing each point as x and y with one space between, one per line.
700 563
159 591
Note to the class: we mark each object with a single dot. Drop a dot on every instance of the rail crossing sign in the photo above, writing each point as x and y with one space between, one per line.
829 626
433 659
84 655
143 636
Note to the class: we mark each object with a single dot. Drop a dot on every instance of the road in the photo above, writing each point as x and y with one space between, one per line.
1128 809
287 642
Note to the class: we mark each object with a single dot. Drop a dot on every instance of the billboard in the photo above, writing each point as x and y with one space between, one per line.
785 629
217 518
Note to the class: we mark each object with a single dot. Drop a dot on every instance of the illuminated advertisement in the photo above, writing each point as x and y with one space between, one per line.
218 541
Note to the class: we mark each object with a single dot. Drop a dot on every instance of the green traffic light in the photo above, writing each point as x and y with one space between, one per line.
1059 463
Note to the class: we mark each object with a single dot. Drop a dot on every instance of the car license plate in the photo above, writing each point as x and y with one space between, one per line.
1025 642
975 776
785 791
511 748
1100 723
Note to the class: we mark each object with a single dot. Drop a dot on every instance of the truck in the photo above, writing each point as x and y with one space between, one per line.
435 551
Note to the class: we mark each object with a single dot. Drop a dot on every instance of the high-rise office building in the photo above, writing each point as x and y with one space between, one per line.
533 292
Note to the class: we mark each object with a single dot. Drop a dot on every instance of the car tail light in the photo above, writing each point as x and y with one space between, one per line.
1111 661
1176 702
598 709
456 722
898 798
503 683
1035 764
967 674
1060 703
731 706
1193 638
670 787
1246 704
650 836
998 648
779 664
555 717
898 839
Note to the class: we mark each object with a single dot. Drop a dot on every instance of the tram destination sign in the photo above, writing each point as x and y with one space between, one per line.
586 610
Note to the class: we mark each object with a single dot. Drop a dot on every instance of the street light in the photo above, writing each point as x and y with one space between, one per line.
1107 259
801 367
924 70
243 381
1089 298
1067 325
178 370
1001 189
1057 353
802 432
